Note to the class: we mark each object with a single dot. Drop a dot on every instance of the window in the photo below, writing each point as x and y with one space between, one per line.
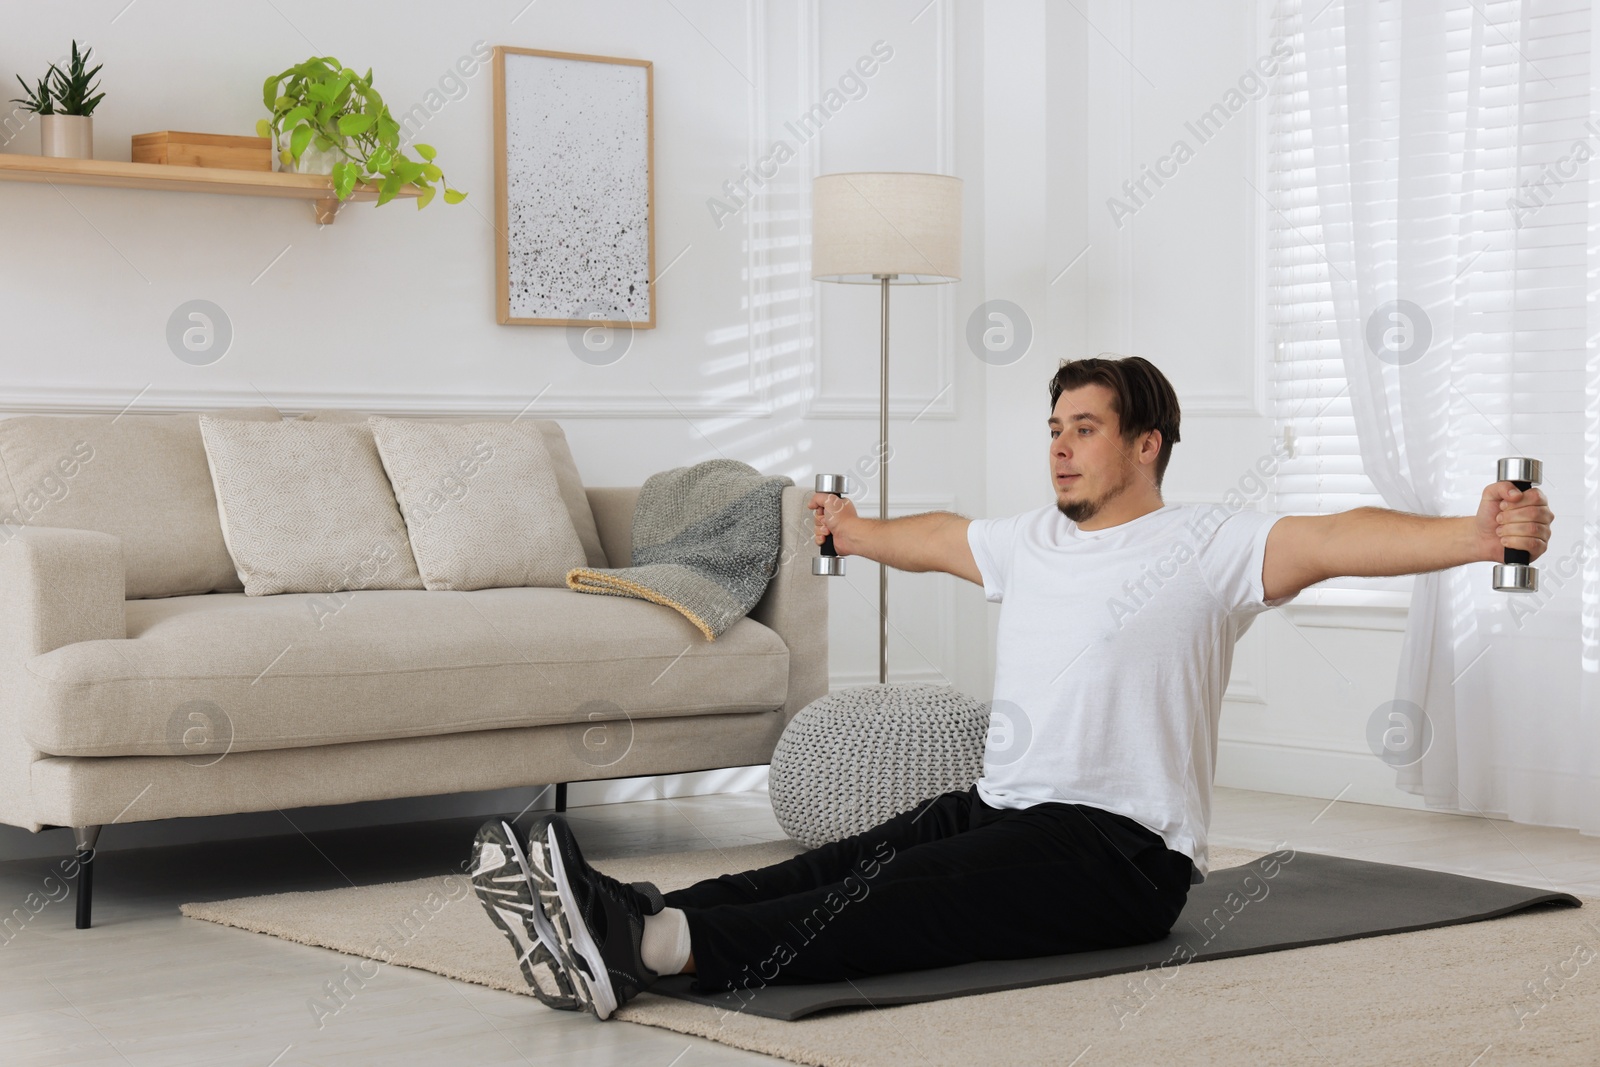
1489 101
1321 470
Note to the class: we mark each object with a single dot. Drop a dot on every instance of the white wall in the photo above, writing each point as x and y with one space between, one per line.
393 310
1043 108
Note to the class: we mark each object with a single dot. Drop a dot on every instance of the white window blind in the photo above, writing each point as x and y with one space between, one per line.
1321 471
1511 223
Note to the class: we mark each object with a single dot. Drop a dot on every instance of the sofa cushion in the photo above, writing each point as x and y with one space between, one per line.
566 468
140 478
480 501
307 508
298 670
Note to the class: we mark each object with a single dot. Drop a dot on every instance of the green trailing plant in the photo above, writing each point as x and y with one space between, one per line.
75 87
324 104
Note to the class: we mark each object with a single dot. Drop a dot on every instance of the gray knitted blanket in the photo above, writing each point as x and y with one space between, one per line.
705 543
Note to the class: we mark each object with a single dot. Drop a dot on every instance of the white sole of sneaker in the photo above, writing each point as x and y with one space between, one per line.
541 922
602 1000
567 958
500 886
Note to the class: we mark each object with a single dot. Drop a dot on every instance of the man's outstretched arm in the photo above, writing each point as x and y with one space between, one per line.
1371 542
935 541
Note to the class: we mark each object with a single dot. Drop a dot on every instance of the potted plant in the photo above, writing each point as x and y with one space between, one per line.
64 102
327 119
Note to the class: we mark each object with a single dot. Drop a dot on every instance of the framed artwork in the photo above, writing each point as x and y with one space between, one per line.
575 214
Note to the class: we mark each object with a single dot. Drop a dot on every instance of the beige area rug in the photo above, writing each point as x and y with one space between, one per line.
1520 989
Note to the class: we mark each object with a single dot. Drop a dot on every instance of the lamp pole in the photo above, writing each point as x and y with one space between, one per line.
883 474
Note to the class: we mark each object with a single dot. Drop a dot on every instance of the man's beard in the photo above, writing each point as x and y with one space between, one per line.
1081 511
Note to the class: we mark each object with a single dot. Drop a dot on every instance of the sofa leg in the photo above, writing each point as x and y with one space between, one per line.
85 838
561 796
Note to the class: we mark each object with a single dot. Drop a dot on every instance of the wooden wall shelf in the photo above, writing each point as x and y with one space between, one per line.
316 188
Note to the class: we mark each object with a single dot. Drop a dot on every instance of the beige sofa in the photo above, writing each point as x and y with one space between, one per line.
138 681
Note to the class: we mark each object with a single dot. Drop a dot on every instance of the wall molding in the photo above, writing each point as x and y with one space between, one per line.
1270 741
1354 776
850 679
1221 405
660 786
943 653
1111 129
1389 617
80 400
1249 687
861 406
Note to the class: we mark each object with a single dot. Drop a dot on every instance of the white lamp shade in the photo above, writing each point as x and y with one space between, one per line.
864 226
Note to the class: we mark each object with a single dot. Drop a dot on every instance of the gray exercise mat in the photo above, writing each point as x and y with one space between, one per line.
1262 906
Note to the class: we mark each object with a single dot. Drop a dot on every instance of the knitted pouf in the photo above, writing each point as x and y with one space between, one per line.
855 758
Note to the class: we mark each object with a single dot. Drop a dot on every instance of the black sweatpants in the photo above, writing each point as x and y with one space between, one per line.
949 881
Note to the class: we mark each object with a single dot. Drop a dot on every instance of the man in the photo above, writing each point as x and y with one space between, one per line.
1118 620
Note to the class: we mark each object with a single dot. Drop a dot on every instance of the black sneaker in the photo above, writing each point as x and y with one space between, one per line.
510 890
599 921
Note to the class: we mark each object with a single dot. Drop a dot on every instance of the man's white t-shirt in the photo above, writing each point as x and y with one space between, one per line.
1113 651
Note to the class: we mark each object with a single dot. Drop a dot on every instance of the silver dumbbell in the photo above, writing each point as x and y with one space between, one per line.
830 563
1514 575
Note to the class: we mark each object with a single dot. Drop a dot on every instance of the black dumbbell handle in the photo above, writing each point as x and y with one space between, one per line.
835 485
1519 555
829 550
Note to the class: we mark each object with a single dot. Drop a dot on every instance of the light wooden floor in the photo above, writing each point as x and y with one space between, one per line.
147 987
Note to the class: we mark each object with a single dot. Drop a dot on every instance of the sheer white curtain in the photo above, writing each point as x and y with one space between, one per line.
1458 214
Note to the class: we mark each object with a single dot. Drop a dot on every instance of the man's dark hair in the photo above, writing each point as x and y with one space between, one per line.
1140 395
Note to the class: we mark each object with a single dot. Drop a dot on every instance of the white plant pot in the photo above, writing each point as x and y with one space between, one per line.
313 161
66 136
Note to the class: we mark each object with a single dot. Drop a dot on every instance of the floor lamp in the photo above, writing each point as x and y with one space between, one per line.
885 229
